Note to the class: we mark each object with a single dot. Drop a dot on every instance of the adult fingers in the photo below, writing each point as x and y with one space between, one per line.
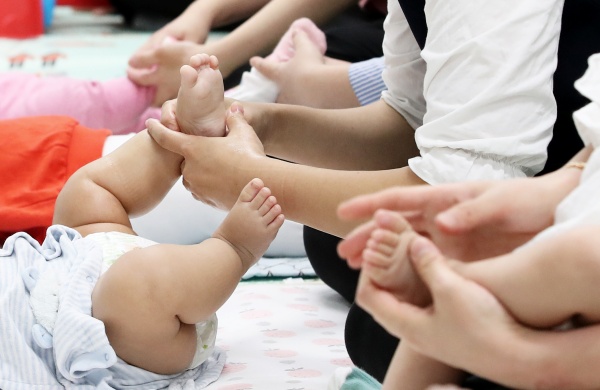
143 59
269 69
171 140
395 316
144 77
235 119
469 215
397 199
392 220
352 246
168 114
431 266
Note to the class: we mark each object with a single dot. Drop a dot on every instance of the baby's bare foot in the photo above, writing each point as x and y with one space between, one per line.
252 223
386 258
200 105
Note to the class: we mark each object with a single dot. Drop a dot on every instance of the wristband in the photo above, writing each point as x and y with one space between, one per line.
575 164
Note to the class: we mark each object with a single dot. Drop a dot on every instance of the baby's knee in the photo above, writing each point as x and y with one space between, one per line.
131 298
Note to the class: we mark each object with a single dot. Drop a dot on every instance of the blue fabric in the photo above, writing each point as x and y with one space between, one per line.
360 380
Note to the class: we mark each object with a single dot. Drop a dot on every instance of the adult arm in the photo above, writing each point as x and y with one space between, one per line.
373 137
130 181
456 330
215 170
256 36
195 23
472 220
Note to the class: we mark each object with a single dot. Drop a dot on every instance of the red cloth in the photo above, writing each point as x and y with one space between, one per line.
37 156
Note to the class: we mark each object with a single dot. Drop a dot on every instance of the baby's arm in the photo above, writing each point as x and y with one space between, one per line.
130 181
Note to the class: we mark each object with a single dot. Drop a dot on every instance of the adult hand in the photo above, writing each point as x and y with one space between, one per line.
159 67
469 221
168 115
456 328
215 169
189 26
309 78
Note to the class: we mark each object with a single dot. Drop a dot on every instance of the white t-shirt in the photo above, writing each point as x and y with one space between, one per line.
581 206
480 93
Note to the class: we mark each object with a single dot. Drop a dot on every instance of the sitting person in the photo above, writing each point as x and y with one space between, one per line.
529 307
96 305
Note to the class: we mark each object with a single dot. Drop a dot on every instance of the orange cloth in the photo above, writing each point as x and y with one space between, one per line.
37 156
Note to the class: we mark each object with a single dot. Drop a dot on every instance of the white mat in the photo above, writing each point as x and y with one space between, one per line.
281 335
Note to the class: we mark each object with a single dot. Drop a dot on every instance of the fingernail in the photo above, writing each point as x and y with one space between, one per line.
236 108
447 219
422 248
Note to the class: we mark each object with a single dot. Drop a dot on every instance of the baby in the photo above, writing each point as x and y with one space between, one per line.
127 311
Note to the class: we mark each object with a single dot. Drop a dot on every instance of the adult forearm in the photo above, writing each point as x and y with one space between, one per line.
326 86
560 183
261 32
311 195
224 12
373 137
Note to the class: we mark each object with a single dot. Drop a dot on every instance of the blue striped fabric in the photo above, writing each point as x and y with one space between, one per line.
366 81
77 355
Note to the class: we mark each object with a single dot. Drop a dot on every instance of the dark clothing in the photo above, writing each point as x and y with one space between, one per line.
369 345
158 10
355 35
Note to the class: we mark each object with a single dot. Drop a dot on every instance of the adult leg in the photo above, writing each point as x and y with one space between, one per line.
369 345
363 334
355 35
321 249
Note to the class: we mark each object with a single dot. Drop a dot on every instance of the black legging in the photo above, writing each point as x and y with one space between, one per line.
370 346
165 10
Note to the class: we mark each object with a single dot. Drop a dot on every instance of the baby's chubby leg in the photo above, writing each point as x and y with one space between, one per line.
547 281
200 106
151 298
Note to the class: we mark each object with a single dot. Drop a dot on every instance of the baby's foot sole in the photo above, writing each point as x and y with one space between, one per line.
200 107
